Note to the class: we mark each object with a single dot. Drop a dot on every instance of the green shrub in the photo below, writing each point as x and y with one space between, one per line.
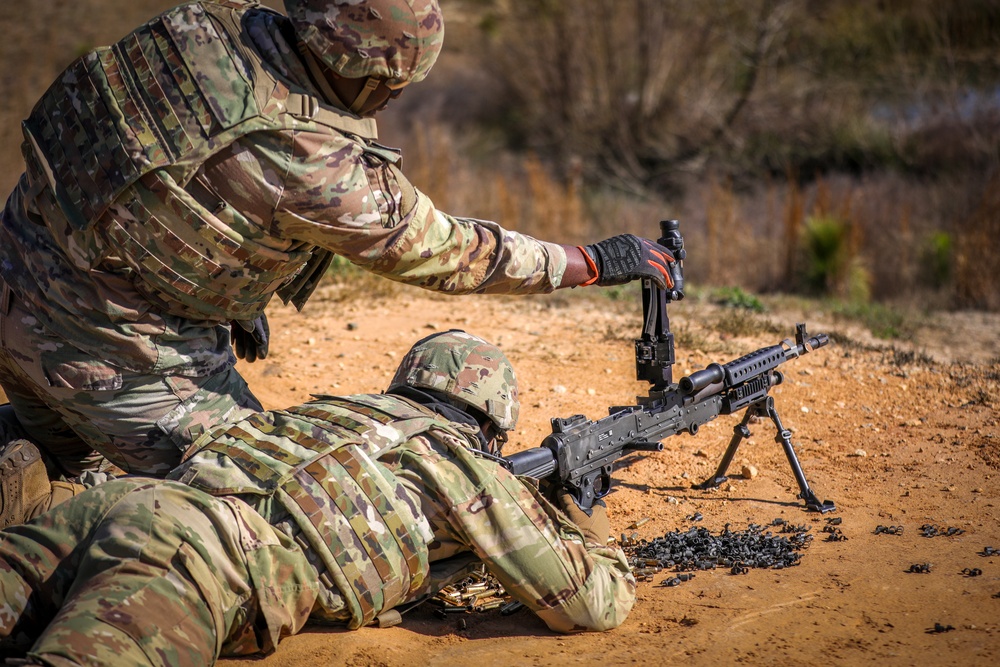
825 247
830 266
936 259
736 297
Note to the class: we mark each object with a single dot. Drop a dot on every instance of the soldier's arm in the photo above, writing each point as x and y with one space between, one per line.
542 558
538 554
332 194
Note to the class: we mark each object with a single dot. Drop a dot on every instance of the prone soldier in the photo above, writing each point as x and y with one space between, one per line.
176 181
336 510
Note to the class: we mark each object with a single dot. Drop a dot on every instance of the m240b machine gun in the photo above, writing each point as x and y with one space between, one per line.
580 453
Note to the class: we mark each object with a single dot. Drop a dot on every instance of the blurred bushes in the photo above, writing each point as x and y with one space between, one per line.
647 91
847 147
751 121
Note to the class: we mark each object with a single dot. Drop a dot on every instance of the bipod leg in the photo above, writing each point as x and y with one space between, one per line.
740 432
784 437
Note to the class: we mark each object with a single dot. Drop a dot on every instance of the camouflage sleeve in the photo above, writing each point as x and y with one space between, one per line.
328 191
530 546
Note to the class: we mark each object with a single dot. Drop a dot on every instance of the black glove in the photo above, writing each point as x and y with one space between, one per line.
627 257
250 338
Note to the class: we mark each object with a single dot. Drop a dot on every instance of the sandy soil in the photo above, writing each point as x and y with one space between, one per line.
892 436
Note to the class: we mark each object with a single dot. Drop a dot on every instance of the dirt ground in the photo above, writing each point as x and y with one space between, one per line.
889 434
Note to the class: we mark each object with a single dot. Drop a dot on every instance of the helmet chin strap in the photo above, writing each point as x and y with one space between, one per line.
443 405
370 85
318 77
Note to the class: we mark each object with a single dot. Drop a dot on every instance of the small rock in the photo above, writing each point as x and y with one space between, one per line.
391 354
311 342
749 472
351 326
672 501
431 325
860 453
805 409
559 389
591 392
701 454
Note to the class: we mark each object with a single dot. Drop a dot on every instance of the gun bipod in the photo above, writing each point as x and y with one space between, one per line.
761 408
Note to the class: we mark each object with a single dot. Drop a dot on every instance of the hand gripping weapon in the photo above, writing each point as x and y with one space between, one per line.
580 453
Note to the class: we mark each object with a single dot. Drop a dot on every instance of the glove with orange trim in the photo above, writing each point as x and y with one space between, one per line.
627 257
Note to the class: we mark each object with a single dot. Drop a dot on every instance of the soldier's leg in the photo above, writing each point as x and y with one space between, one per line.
25 489
71 402
21 348
25 473
39 561
161 580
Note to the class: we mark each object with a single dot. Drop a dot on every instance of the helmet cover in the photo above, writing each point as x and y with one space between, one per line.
394 40
466 368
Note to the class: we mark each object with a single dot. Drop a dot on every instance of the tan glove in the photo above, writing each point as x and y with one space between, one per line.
594 526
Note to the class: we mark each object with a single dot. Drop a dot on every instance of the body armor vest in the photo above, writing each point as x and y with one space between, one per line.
168 97
365 532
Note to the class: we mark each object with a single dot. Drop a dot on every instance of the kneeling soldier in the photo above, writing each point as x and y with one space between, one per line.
335 511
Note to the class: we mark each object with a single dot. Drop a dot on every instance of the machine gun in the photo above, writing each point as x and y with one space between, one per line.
580 453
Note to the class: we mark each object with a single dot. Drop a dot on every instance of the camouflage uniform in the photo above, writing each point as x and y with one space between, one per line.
174 183
334 510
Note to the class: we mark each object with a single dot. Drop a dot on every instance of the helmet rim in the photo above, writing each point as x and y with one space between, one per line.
465 368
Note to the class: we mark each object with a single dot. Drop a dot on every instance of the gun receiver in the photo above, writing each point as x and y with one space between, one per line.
580 453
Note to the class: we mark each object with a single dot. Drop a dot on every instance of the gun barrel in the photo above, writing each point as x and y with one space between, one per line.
712 374
537 462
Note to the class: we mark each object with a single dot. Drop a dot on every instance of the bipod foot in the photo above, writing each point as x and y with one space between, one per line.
710 483
814 505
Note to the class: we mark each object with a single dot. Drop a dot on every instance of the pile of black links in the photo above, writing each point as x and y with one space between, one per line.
699 549
930 530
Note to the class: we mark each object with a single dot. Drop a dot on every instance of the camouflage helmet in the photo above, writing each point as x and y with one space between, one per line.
466 368
394 40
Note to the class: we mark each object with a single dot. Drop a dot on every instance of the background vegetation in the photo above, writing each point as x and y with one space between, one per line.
849 148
